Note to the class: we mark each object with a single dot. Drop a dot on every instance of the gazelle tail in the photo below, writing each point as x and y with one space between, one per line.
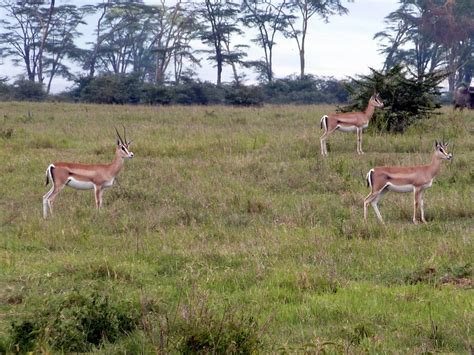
324 122
49 174
369 177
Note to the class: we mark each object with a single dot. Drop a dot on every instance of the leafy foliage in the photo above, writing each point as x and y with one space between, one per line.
431 35
26 90
308 90
111 89
76 323
406 98
203 331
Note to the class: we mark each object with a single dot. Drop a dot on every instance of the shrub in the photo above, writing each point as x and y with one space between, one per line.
240 95
156 94
75 323
26 90
309 90
111 89
204 332
195 328
406 98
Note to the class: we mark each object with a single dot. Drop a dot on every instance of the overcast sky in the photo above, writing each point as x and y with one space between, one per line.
343 47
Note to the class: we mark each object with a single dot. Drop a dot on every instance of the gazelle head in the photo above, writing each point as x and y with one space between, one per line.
375 100
441 151
123 144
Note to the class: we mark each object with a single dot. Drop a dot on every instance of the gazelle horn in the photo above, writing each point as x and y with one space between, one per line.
118 135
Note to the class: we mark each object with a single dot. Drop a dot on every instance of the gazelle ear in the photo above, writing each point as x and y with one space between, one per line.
118 142
436 144
129 142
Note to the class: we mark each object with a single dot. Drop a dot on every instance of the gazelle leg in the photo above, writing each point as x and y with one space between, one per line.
422 208
375 202
324 138
323 144
373 198
367 200
377 212
359 141
416 203
52 196
98 195
45 201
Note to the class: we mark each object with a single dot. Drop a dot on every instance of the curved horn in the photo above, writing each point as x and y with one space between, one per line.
124 134
118 135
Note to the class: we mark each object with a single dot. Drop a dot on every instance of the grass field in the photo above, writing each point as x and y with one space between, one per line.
232 213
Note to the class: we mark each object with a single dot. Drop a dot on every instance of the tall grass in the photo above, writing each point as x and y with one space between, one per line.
238 205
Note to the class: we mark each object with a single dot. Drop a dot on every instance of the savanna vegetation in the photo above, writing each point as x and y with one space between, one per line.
228 232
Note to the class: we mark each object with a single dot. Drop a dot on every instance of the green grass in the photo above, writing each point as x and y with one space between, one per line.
235 206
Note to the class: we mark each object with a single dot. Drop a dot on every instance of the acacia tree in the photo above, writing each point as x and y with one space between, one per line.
306 10
218 27
173 29
451 25
106 27
428 35
404 42
123 28
60 43
26 28
269 18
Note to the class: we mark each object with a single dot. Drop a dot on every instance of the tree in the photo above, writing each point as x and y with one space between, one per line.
426 35
26 29
406 43
106 27
451 25
269 18
60 43
219 25
406 98
173 29
307 9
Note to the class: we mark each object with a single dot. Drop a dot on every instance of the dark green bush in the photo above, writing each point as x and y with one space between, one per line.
309 90
111 89
240 95
26 90
406 98
204 332
76 323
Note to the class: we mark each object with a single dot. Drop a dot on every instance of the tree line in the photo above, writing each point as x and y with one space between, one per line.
153 42
155 45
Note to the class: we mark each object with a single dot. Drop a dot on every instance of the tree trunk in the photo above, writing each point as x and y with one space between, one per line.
302 64
43 43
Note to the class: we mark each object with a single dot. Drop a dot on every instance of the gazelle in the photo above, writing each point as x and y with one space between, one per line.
85 176
349 122
405 179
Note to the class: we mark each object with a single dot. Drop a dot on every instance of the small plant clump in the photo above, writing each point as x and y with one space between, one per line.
203 331
457 275
76 323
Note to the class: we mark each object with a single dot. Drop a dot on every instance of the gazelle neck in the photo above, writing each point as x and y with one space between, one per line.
117 163
369 111
435 165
